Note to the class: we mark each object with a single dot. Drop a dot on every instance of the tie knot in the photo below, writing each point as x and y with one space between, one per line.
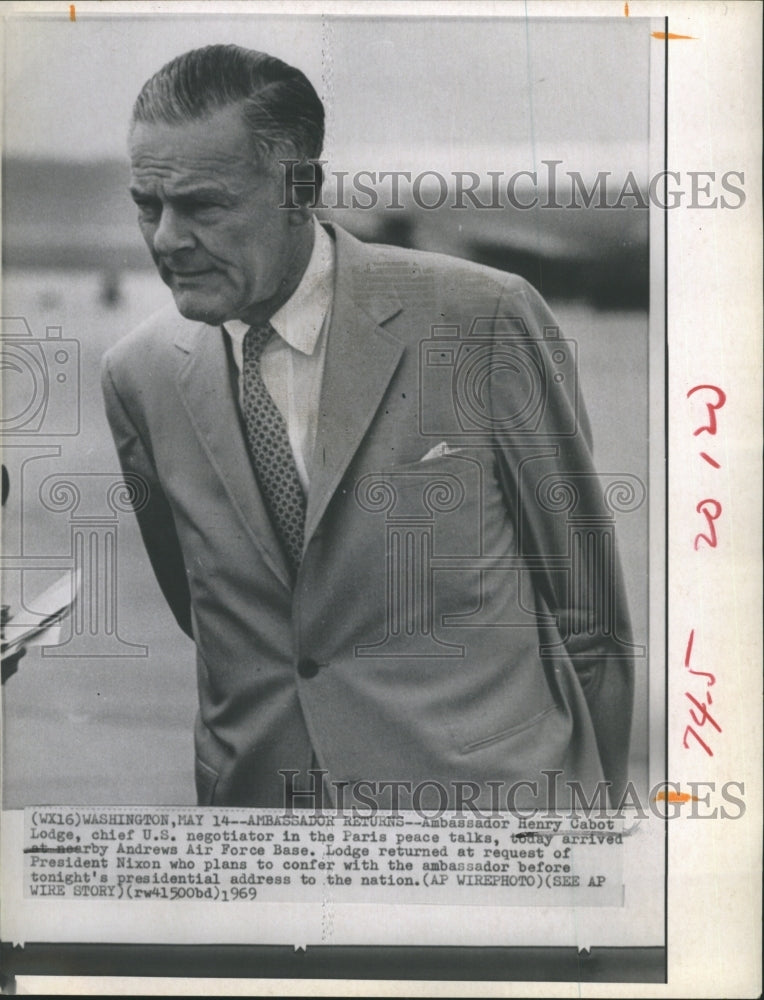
256 340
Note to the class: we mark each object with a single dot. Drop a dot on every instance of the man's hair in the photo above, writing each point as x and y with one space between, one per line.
283 112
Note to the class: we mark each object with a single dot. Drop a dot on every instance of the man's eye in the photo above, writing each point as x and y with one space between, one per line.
199 207
148 209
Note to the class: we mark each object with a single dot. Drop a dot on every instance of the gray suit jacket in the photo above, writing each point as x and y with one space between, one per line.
451 620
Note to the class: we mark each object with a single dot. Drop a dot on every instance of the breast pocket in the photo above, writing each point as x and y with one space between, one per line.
444 498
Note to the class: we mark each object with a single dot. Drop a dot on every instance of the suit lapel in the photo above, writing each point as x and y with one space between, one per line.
205 387
361 357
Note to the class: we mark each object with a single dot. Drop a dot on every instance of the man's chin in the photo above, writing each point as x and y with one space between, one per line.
192 308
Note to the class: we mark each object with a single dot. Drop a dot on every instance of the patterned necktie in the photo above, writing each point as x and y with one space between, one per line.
269 447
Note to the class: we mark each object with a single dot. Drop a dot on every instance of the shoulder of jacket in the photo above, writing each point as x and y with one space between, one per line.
150 341
452 272
396 262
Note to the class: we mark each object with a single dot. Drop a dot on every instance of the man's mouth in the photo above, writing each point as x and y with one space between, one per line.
171 275
185 275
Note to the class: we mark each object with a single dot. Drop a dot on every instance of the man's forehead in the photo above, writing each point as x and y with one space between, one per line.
156 179
180 171
186 172
218 139
180 186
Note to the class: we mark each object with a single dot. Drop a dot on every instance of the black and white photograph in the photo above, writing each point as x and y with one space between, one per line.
338 415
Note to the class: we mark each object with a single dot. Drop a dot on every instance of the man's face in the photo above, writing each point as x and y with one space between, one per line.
211 219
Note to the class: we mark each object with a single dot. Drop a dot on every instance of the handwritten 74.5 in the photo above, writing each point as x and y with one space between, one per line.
711 510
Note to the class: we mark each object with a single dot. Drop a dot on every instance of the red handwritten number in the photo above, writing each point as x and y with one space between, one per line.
697 673
688 651
710 516
721 399
711 510
704 716
689 731
702 708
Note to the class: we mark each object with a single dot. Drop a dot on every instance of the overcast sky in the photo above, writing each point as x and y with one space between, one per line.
453 93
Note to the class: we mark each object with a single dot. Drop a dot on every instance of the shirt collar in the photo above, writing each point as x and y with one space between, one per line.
300 320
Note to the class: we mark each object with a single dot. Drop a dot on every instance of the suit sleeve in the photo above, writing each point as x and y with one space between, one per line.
565 527
154 515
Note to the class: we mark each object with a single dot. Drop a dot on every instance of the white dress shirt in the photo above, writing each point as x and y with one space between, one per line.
292 364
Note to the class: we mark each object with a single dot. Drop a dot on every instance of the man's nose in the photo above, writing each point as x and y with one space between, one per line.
172 234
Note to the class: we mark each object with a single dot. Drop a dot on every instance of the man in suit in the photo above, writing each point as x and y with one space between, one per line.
361 467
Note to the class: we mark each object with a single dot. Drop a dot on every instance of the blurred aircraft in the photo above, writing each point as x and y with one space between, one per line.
64 215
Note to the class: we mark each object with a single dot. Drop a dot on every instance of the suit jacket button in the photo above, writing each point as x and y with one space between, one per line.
308 668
